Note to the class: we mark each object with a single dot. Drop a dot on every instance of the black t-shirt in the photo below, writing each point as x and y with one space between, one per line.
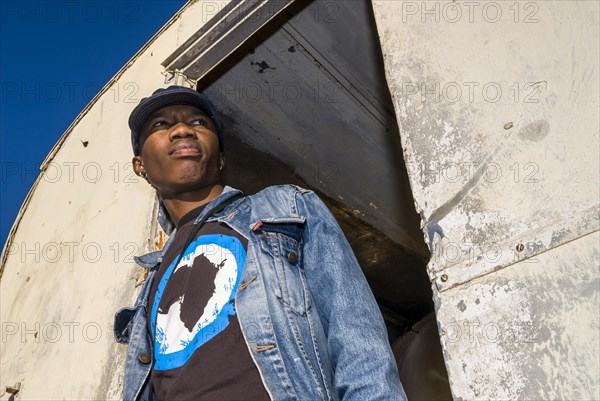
200 352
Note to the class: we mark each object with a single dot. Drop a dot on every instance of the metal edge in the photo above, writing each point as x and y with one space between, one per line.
517 249
193 46
215 49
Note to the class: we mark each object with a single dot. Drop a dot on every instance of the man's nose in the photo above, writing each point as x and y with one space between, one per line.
181 130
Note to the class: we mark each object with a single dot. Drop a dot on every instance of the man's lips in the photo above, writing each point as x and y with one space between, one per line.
184 148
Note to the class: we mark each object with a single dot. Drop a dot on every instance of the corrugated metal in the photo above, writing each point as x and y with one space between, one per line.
497 104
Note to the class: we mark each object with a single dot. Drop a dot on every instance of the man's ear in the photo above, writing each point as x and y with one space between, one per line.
221 161
138 165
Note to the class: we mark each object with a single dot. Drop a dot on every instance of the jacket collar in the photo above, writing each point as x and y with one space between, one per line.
152 260
228 193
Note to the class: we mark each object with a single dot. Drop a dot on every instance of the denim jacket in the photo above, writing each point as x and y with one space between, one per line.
305 309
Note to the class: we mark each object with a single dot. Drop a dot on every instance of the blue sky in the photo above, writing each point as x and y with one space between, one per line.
55 56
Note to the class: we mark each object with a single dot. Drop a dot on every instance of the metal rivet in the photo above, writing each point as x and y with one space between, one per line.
292 257
520 247
444 277
508 125
144 358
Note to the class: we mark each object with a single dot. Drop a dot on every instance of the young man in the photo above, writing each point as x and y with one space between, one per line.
253 297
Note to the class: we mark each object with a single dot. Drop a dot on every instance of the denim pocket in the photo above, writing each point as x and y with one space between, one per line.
283 239
122 326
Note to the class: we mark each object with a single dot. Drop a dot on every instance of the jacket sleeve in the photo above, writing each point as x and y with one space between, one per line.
363 363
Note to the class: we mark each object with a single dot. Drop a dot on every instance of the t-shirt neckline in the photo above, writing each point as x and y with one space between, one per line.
191 215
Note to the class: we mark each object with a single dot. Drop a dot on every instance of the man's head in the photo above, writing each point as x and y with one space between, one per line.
177 139
171 96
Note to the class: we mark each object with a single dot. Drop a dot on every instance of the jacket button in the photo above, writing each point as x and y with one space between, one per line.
144 358
292 257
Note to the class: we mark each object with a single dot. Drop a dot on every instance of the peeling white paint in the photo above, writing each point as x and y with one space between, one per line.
508 189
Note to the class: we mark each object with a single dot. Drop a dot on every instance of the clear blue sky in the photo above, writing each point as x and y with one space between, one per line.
55 56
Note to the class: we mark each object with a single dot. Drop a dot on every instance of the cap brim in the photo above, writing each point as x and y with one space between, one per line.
145 109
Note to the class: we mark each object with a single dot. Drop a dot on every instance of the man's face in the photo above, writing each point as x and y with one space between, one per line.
179 150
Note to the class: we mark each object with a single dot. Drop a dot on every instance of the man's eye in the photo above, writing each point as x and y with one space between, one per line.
200 121
159 123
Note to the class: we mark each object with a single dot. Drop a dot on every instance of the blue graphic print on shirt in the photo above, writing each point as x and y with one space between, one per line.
175 339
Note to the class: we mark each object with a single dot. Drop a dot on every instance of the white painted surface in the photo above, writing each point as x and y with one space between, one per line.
67 266
498 116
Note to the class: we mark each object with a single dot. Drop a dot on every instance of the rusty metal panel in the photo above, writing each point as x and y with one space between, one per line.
497 104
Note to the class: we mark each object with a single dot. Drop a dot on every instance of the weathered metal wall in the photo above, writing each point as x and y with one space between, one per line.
67 266
497 104
309 91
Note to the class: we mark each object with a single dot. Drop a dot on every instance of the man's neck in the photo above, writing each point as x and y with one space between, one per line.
178 206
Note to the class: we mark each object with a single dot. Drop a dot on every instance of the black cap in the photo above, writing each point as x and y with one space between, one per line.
170 96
